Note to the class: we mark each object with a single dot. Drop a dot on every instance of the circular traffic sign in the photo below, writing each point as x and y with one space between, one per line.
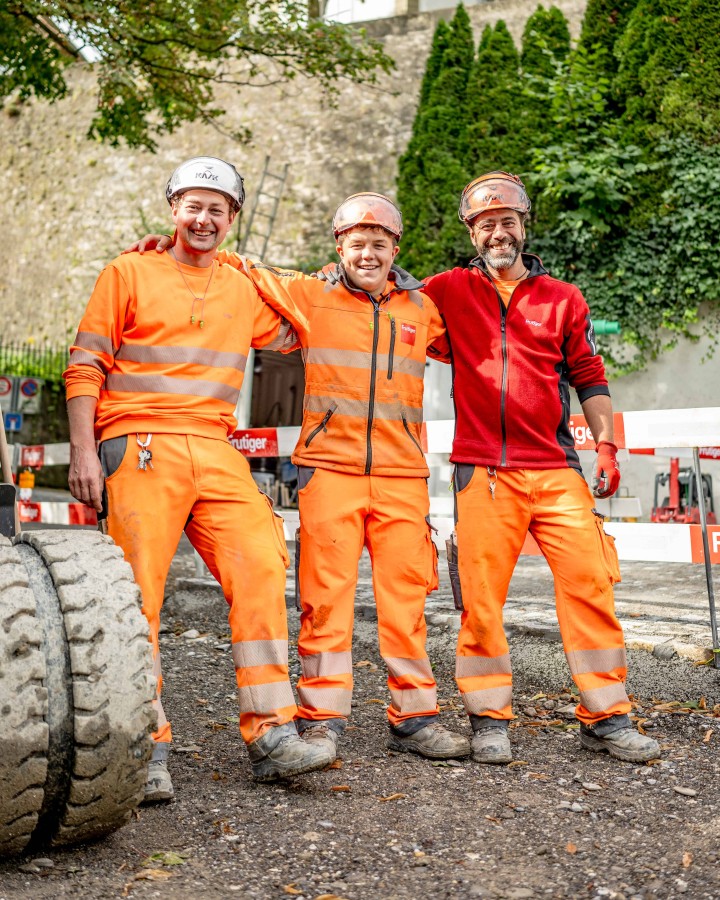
5 386
29 387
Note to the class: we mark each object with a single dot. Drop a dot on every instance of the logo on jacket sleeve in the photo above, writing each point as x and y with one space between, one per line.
407 334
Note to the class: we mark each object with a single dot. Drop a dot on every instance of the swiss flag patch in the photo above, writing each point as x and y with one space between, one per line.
407 334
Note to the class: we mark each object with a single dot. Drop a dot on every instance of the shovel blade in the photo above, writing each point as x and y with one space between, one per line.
7 510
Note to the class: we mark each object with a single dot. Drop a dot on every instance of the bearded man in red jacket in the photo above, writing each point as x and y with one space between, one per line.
520 340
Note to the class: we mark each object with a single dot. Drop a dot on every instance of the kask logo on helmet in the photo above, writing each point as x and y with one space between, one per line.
208 175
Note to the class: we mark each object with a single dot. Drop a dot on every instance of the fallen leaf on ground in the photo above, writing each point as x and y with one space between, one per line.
515 763
493 819
392 797
375 701
538 776
687 859
570 847
291 889
328 897
165 858
708 734
335 764
341 788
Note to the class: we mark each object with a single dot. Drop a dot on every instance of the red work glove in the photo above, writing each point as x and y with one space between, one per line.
606 472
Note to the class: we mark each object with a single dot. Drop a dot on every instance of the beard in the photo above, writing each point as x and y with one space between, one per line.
503 257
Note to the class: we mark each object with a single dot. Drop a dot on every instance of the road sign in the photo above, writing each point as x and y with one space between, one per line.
28 398
13 421
33 456
6 389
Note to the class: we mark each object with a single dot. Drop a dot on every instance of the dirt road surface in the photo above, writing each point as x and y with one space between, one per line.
559 822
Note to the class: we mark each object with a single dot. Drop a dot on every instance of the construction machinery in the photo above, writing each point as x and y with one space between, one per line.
681 502
76 685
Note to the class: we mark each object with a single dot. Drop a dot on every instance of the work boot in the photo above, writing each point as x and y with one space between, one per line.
490 742
433 741
281 753
320 734
159 786
617 736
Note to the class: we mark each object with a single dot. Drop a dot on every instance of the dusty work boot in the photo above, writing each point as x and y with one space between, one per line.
320 734
490 742
159 786
433 741
617 736
281 753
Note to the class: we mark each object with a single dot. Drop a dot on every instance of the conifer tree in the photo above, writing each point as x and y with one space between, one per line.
432 172
495 133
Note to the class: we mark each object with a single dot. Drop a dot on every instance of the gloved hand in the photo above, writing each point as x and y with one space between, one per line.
606 471
329 273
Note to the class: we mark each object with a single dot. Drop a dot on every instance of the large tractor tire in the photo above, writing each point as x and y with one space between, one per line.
76 690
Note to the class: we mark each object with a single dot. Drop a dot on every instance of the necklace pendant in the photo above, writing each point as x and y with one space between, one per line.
202 323
192 320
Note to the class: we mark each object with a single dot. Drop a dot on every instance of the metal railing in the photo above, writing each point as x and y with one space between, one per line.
47 361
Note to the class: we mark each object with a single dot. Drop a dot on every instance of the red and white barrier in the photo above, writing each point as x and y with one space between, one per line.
56 513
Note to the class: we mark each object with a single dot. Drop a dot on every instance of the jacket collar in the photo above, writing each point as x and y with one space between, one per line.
532 263
403 281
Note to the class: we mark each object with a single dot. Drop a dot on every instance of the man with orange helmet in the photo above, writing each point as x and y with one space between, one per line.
362 473
520 340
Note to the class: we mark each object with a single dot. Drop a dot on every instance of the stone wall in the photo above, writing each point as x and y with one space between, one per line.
74 204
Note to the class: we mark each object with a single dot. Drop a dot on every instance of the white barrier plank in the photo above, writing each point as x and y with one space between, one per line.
672 428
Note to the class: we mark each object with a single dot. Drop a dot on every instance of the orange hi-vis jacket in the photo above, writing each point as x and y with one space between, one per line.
364 366
150 367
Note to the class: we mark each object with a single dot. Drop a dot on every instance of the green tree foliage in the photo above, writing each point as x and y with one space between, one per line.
432 172
159 63
624 167
668 60
496 134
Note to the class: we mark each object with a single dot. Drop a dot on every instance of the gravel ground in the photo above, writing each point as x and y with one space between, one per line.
559 822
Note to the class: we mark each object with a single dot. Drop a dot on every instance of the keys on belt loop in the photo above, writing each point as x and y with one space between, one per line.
492 480
144 455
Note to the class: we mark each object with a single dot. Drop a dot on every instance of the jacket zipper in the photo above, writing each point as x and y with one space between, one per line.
410 435
321 427
373 378
392 347
503 383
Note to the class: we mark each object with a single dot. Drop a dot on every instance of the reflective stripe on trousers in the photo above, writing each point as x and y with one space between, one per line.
556 507
232 526
340 513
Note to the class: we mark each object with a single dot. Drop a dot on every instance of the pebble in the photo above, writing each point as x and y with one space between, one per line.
191 634
530 711
567 712
29 868
519 893
327 825
312 836
685 791
44 862
591 786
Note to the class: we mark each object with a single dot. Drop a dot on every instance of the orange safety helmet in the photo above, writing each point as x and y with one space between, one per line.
368 209
494 190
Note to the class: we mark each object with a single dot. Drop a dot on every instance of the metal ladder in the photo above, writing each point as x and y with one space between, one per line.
263 213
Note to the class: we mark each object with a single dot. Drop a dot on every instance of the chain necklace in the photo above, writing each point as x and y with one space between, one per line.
196 299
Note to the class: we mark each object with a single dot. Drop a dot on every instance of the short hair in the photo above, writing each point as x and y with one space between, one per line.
377 228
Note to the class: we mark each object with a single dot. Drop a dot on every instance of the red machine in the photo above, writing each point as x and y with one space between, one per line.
682 503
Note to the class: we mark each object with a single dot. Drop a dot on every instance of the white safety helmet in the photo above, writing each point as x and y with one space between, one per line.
210 174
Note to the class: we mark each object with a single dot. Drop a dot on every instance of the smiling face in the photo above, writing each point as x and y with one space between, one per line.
367 254
202 219
499 236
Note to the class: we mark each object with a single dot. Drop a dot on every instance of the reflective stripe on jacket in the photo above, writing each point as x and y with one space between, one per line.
151 368
364 367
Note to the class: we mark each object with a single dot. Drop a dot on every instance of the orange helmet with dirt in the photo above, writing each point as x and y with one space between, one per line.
368 209
494 190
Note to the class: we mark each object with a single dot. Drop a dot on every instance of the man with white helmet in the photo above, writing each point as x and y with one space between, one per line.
362 474
154 376
520 340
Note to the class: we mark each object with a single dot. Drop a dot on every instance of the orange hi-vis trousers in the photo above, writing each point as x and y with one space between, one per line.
204 486
556 507
339 513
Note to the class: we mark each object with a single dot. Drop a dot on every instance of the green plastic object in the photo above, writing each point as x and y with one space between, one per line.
606 326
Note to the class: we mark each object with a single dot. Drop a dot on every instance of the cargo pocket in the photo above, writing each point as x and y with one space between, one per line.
453 571
608 551
298 604
279 530
112 453
432 579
